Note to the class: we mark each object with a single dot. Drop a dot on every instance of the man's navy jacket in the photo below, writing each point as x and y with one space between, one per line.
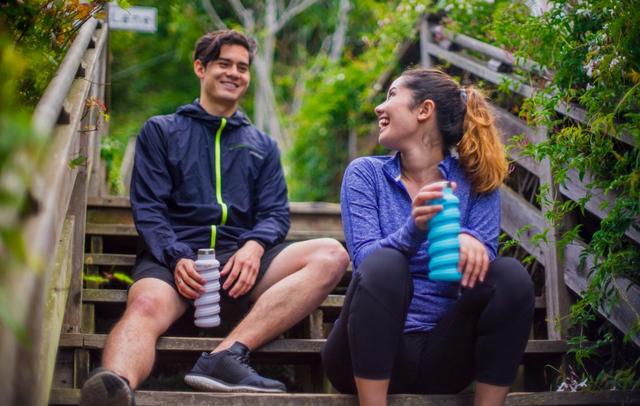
202 181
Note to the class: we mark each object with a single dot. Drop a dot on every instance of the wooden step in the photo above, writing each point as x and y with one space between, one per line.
122 260
332 302
129 230
61 396
279 346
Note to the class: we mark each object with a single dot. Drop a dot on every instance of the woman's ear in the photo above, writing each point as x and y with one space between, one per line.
426 110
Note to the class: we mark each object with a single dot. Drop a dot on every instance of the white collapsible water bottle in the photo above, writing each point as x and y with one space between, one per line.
208 304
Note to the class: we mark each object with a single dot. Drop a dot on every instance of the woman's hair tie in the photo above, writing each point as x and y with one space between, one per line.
463 95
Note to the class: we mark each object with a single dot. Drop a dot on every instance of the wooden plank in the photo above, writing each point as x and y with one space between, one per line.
425 37
96 202
555 289
130 231
576 189
109 259
279 346
516 213
144 398
489 50
510 126
480 69
626 312
333 302
57 290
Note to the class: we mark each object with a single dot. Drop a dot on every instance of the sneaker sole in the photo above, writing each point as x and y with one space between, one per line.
209 384
105 388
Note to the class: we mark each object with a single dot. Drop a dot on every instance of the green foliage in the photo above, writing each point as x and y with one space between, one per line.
341 98
34 36
591 48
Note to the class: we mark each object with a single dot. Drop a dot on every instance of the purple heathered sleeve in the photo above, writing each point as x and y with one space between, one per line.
361 216
483 221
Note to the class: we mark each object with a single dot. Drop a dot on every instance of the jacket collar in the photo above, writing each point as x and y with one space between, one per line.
195 110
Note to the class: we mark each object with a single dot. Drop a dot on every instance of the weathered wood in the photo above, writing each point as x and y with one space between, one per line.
143 398
332 302
425 37
518 213
82 358
120 296
576 189
50 190
57 288
480 69
315 208
130 231
625 313
280 346
510 126
489 50
555 289
109 259
517 85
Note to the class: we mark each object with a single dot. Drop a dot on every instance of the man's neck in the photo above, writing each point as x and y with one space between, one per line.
217 108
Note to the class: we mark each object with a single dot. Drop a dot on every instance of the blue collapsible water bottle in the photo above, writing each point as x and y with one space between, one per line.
444 246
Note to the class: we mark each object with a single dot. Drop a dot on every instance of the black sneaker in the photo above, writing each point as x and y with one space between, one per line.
229 371
105 387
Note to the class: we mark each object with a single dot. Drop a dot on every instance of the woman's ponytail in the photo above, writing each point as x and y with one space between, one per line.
481 151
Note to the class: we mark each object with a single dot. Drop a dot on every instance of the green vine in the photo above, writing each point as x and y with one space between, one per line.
590 48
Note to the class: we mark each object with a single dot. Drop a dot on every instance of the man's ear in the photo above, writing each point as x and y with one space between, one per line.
199 68
426 110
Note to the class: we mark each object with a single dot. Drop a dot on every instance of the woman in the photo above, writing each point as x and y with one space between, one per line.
398 331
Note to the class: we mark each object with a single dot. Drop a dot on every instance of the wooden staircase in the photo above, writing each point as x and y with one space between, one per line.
293 358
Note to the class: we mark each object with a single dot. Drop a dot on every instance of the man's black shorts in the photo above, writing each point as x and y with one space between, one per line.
146 266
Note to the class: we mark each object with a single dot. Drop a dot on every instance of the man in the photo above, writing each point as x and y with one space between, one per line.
205 177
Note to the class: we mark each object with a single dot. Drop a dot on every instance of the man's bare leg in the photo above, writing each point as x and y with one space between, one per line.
295 284
152 306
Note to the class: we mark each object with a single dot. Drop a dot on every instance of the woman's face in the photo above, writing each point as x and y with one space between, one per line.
397 120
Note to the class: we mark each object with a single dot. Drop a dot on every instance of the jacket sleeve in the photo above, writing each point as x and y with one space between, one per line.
483 221
361 218
271 204
150 190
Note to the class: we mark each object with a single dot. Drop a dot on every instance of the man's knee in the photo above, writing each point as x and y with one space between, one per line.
333 258
156 303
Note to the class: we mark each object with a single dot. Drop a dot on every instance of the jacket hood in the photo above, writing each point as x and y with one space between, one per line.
195 110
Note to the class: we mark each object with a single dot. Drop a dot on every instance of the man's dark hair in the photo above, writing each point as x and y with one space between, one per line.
209 45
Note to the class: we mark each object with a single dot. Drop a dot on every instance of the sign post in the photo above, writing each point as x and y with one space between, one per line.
142 19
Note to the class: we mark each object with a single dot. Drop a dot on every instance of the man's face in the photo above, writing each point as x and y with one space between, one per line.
226 79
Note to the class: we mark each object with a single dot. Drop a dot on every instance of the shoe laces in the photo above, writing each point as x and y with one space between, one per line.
244 360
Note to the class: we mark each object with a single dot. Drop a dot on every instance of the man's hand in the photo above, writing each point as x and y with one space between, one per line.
242 269
189 282
474 260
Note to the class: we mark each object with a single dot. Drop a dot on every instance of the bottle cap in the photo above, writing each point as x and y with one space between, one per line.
206 251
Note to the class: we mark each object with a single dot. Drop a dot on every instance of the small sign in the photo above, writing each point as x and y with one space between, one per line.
143 19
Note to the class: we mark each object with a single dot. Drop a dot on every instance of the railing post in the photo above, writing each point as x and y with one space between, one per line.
555 289
425 37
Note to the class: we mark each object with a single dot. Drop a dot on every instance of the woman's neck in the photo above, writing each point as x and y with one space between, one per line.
419 166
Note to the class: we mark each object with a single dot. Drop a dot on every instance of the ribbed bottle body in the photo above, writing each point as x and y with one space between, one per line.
444 245
208 304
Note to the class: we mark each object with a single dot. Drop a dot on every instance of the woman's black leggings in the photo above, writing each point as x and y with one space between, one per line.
482 336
